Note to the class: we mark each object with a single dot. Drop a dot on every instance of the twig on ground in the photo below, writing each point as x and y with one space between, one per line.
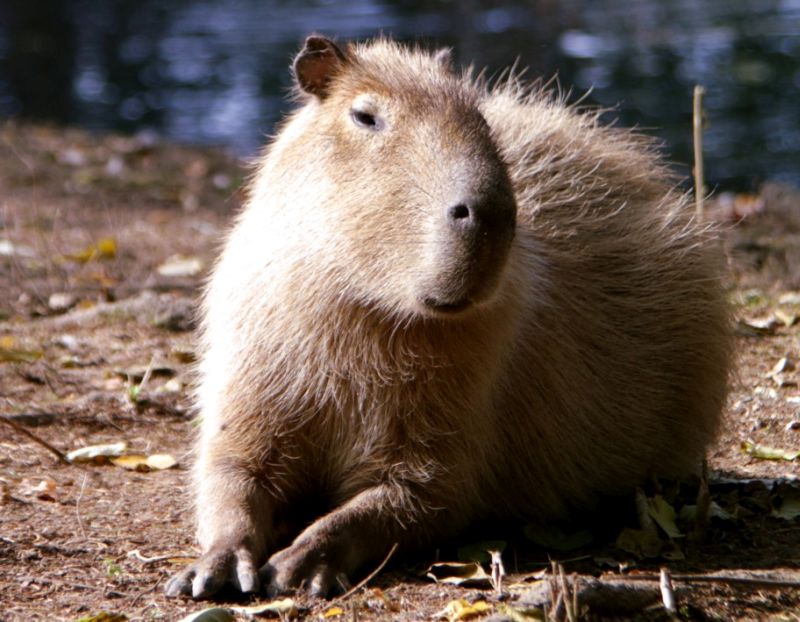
80 586
135 554
498 572
372 574
143 592
61 457
706 578
78 507
667 593
568 596
575 591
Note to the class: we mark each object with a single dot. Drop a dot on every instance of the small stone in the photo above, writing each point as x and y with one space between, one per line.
179 266
221 181
61 301
68 342
173 385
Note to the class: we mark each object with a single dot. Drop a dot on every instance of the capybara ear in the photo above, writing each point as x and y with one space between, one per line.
316 64
444 57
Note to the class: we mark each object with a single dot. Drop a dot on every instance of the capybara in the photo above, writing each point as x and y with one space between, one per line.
444 301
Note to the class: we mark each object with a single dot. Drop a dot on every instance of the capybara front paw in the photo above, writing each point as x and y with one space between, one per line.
306 567
220 566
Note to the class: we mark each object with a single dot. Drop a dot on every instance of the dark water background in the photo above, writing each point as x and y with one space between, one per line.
216 71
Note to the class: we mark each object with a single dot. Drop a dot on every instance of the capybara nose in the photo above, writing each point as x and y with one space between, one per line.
472 218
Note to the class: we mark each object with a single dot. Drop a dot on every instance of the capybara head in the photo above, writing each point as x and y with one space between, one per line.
416 210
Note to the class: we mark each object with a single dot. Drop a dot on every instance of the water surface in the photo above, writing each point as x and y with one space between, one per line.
216 71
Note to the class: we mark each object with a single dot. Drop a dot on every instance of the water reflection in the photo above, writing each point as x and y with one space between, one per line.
215 71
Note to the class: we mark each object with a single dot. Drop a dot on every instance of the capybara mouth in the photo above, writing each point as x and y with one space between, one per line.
449 308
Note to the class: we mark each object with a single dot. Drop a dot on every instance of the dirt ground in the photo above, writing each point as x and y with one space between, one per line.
104 242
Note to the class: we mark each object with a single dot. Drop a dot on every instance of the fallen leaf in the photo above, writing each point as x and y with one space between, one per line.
44 490
92 452
178 266
18 355
688 513
107 248
462 610
132 462
778 373
664 516
757 327
212 614
161 462
554 538
763 452
284 609
788 318
333 612
789 298
135 462
455 573
784 364
104 248
782 381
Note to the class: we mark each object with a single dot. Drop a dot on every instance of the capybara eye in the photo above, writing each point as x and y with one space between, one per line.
363 119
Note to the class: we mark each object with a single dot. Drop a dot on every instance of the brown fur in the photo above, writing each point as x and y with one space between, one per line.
593 350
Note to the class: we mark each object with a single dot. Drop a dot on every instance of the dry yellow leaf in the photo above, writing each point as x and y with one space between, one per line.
137 462
132 462
462 610
107 248
333 612
16 355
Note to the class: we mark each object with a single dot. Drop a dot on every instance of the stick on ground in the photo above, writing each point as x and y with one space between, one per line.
372 574
61 457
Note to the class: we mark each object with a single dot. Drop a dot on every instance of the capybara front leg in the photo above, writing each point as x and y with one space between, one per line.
234 514
324 557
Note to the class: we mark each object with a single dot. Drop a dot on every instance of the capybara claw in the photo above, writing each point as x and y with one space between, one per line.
209 574
180 584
